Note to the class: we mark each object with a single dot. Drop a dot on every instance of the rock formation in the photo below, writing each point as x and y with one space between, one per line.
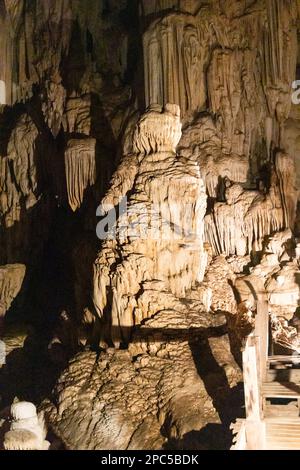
149 189
11 280
160 234
27 430
151 393
80 169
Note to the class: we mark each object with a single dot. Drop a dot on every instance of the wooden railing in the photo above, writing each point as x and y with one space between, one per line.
252 432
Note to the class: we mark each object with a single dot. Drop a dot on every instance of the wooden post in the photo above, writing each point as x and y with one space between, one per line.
262 332
251 379
255 426
255 435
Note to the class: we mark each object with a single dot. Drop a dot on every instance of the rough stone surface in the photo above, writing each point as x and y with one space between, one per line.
184 108
174 379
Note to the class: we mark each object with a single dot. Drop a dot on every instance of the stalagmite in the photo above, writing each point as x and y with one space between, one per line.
27 429
158 131
160 235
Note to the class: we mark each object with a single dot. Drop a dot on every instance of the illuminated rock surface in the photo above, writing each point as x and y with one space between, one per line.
175 119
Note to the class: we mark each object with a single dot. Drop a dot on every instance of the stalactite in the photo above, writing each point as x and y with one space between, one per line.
18 172
21 153
53 102
80 164
175 52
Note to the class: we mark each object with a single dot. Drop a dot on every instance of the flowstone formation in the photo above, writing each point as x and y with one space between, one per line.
158 391
175 119
160 235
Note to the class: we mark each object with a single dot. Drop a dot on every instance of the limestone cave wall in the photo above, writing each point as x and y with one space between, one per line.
149 174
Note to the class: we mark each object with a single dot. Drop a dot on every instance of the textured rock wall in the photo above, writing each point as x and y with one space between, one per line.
228 61
225 61
225 68
201 140
156 392
11 280
65 102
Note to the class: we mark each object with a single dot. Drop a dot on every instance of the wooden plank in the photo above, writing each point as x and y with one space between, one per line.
288 412
280 390
289 374
271 446
282 365
282 435
284 439
287 385
283 424
251 379
283 442
262 332
286 431
283 419
277 393
284 359
273 392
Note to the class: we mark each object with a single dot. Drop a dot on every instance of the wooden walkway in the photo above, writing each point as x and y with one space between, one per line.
280 434
283 435
272 396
